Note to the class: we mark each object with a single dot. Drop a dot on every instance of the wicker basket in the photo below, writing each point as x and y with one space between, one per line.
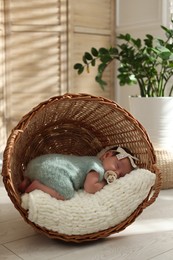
82 125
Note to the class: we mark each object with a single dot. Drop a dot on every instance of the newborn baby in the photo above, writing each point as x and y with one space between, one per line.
61 175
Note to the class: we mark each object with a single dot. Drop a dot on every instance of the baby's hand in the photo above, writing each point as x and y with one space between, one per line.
110 176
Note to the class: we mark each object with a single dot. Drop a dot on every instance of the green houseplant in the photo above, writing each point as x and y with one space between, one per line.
147 62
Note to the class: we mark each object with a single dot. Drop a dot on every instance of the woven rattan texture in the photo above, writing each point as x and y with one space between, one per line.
76 124
165 164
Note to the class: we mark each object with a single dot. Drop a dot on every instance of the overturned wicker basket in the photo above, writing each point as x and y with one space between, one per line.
82 125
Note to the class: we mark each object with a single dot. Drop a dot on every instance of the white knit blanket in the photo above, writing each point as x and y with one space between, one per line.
87 213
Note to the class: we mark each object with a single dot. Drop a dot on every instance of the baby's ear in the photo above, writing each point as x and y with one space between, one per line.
108 154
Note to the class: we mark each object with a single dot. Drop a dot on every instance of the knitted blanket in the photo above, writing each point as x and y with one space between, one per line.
87 213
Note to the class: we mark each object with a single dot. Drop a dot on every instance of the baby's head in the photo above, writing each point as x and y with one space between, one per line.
117 160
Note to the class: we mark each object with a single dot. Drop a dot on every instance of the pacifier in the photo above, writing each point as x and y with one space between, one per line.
110 176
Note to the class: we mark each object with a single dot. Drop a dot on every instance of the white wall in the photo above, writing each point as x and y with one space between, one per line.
139 17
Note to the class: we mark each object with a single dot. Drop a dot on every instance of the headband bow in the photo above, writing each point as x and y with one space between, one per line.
123 154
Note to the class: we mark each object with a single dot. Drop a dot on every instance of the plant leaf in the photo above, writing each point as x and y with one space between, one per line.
94 52
101 67
80 70
101 82
103 51
77 66
88 56
93 62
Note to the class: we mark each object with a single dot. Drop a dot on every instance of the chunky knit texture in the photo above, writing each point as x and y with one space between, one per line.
87 213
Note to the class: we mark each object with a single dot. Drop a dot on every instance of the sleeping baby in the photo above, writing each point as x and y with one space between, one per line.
61 175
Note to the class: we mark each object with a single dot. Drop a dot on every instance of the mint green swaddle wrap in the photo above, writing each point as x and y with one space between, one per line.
63 173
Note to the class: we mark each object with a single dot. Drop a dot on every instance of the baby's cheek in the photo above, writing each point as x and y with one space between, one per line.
124 174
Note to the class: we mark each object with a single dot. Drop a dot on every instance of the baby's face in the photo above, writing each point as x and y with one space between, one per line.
121 167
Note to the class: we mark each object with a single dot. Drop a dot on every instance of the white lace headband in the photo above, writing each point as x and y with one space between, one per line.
122 154
104 150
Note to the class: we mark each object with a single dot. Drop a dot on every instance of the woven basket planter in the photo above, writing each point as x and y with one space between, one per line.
81 125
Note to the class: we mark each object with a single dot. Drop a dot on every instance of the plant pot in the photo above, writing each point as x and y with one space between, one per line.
155 114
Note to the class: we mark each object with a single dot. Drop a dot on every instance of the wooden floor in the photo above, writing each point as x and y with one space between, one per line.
149 237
